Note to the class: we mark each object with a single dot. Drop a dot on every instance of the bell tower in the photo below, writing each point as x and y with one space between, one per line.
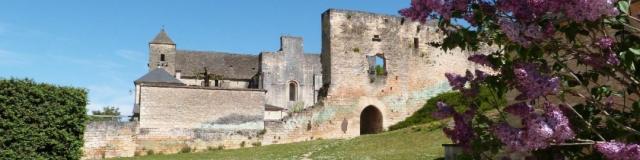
162 53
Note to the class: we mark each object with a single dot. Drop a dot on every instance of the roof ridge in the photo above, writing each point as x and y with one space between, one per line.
158 75
215 52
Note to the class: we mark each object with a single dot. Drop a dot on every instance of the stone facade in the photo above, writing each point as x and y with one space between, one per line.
358 101
290 76
106 139
165 108
373 71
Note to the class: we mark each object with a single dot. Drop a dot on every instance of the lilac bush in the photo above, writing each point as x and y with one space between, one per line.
570 64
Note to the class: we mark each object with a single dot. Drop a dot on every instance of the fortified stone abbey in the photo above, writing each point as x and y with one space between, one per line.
373 71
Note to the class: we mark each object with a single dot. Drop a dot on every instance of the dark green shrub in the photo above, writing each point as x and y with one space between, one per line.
455 99
150 152
186 149
41 121
262 132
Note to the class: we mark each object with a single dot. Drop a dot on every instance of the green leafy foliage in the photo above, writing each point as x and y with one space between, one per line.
108 113
455 99
380 70
107 110
41 121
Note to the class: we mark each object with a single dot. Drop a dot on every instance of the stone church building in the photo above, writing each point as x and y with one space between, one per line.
373 71
289 78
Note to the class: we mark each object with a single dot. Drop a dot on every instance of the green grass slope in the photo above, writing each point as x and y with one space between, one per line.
418 142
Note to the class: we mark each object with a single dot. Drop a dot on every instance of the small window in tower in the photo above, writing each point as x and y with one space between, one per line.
161 57
293 88
416 43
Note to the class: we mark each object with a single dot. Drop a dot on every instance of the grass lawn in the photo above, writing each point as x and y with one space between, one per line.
419 142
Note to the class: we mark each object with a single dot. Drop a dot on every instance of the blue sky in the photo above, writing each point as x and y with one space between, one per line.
102 45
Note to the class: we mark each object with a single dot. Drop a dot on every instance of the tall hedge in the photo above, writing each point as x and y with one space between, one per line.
41 121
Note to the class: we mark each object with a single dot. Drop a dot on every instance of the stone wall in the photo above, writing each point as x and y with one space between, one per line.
290 65
176 117
413 68
124 139
414 73
196 107
172 118
106 139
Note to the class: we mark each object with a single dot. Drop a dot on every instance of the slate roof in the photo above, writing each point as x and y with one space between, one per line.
158 75
162 38
229 65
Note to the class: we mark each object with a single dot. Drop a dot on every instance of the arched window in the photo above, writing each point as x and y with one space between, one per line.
161 57
293 91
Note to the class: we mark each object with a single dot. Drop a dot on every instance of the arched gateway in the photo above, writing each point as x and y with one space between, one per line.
370 120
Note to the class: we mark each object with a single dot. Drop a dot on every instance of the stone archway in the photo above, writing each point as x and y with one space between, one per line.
370 120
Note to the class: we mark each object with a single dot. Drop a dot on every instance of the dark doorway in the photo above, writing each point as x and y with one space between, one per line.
370 121
293 91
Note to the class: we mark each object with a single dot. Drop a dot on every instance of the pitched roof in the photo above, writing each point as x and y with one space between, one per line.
228 65
158 75
162 38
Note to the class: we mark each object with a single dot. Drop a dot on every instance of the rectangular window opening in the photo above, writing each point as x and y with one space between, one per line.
376 38
377 65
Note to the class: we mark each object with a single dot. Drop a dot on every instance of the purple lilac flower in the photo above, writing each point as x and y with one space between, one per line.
538 133
612 58
619 151
532 84
559 122
511 137
549 30
462 133
534 32
512 30
520 27
480 59
522 109
604 42
480 76
599 61
456 81
582 10
442 111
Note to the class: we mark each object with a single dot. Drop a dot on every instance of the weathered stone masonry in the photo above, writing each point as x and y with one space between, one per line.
413 74
337 94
